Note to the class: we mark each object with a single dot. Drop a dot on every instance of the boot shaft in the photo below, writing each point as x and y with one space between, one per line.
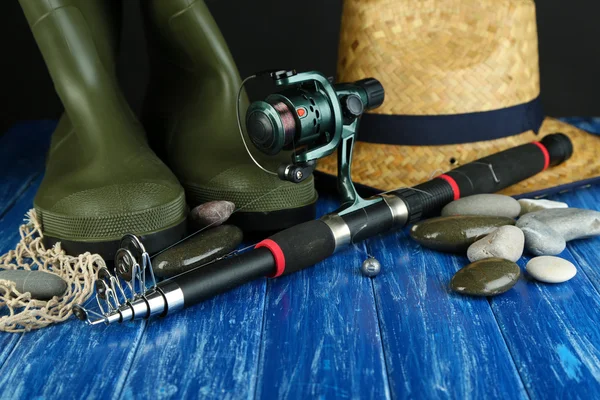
189 112
102 180
79 41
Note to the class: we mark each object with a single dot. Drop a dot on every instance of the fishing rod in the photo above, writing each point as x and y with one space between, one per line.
274 125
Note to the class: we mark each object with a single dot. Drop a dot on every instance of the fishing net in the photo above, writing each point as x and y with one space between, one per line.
19 312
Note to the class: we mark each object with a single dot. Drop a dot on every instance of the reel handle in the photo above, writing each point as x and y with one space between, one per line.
296 173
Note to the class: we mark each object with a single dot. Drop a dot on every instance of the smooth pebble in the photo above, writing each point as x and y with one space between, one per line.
540 239
484 204
197 250
506 242
42 285
551 269
531 205
456 233
487 277
213 213
546 229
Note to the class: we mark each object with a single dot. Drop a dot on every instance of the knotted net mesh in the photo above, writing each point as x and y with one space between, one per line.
19 312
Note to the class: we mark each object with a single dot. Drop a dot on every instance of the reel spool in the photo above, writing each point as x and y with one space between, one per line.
312 117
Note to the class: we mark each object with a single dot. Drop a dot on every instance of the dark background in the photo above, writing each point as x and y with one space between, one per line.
263 34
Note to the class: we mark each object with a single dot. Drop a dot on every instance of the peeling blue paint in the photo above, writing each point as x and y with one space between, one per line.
569 362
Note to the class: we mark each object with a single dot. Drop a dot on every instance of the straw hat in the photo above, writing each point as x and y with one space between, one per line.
462 82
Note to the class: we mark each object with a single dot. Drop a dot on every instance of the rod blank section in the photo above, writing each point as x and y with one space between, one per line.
559 146
501 170
369 221
488 174
204 282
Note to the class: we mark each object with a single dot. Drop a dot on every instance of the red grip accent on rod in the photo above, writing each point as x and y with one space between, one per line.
546 154
453 185
278 255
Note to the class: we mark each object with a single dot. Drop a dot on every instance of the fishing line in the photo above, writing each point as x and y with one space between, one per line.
404 188
239 123
466 176
491 167
235 252
230 254
363 249
289 126
216 222
434 173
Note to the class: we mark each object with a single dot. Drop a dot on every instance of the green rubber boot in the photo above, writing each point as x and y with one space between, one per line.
102 180
190 113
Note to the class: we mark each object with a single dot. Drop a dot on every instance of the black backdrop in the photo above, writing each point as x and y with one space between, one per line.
269 33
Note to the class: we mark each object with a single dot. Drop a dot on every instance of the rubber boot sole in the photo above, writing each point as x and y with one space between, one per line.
260 210
271 221
157 227
153 242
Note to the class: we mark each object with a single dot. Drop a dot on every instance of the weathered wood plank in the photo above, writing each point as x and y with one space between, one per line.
64 360
552 329
437 344
22 156
207 351
325 334
553 334
9 237
590 124
70 360
585 251
22 151
321 335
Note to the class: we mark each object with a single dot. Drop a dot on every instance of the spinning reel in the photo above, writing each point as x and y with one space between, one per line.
313 117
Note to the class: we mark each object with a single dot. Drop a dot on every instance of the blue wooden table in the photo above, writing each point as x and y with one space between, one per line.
326 332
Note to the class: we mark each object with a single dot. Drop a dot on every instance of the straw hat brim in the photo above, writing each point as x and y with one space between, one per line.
387 167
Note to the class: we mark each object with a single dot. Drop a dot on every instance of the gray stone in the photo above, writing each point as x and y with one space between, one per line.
213 213
506 242
531 205
198 250
42 285
495 205
549 228
487 277
455 233
540 239
571 223
551 269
